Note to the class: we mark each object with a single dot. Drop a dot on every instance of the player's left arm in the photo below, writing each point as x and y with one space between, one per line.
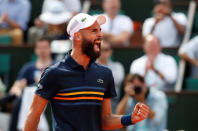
111 121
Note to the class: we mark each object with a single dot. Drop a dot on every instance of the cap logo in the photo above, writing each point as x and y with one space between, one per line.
83 19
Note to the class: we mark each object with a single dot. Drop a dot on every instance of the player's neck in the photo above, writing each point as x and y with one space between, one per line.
80 58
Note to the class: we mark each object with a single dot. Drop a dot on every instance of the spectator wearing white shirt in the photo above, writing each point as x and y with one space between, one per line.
116 67
118 28
166 25
189 52
159 69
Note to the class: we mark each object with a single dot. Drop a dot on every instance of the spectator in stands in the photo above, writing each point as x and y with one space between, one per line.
118 28
136 91
29 75
73 6
189 53
159 69
31 72
116 67
56 18
168 26
56 15
14 17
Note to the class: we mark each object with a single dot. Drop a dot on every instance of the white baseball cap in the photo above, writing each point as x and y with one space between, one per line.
81 21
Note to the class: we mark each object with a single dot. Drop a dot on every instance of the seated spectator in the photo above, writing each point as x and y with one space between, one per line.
11 22
116 67
31 72
56 18
136 91
159 69
168 26
72 6
29 75
118 28
189 53
58 10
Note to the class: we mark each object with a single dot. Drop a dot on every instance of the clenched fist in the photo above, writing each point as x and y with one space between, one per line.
140 113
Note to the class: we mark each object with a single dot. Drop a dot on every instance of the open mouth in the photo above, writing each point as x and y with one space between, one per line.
97 46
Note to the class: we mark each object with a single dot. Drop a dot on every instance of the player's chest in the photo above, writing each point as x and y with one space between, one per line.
78 79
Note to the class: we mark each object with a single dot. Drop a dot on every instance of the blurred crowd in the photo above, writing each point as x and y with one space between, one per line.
149 76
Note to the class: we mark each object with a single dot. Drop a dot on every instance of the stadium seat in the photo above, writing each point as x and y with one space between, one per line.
191 84
5 40
5 67
33 58
177 59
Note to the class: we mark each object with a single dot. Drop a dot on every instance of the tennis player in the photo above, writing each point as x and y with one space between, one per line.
79 89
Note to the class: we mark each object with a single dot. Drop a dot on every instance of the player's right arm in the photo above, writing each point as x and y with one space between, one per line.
34 113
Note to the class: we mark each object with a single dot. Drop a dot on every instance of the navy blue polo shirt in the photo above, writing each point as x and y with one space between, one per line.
76 94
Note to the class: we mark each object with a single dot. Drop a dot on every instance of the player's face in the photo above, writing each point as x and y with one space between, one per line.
43 49
91 41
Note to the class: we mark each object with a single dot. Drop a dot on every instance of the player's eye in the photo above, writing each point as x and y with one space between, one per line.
94 30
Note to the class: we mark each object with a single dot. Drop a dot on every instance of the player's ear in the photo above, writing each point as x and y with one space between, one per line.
77 36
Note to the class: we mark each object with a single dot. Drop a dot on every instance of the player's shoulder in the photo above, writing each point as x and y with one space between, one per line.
53 69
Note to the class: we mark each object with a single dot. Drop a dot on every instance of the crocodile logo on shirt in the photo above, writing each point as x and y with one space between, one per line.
100 81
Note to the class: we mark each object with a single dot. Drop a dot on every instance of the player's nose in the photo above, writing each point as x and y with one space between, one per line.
100 34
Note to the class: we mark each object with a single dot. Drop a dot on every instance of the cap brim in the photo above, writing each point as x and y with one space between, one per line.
50 18
101 19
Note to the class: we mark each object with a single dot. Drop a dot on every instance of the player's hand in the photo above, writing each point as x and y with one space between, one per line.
140 113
